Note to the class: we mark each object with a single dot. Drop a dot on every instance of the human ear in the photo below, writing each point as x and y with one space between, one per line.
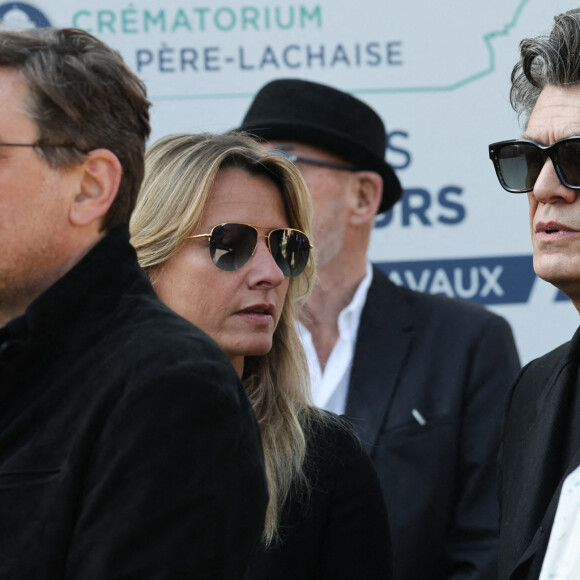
100 176
367 196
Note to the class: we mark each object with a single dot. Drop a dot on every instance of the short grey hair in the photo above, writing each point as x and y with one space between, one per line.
552 59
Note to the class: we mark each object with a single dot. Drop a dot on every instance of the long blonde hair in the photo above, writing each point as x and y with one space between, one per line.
179 174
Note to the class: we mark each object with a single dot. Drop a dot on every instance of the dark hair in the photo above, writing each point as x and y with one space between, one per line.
552 59
83 94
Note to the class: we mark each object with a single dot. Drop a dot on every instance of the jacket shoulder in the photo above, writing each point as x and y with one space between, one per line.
548 361
535 375
429 307
154 330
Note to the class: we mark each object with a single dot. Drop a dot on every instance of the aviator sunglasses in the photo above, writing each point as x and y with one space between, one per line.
232 245
518 162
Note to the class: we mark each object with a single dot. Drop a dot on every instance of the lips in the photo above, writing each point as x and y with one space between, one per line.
267 309
552 228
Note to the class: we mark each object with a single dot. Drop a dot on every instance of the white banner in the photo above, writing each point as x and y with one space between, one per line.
437 73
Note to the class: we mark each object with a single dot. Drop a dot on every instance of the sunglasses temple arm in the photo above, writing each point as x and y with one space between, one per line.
198 236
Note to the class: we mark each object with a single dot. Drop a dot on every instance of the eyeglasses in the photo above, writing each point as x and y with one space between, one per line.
518 162
232 245
299 159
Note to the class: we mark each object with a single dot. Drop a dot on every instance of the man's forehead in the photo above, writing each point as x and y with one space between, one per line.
284 146
555 116
15 104
301 147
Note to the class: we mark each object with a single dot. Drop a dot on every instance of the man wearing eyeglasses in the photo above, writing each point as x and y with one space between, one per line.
540 450
127 446
422 377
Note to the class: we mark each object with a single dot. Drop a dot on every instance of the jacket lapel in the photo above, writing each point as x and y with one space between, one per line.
383 340
548 436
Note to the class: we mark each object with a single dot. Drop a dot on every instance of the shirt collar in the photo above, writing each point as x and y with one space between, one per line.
349 317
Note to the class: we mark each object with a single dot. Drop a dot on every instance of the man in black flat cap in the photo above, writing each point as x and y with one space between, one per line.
423 378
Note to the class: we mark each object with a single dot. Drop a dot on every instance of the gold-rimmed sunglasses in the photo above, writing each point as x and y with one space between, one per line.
231 245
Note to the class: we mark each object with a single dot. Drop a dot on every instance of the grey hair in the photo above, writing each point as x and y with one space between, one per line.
552 59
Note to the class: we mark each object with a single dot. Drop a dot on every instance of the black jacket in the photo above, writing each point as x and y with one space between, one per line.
540 448
448 364
128 448
339 530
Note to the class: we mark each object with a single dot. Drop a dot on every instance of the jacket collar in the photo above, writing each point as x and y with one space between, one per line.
90 288
551 410
383 340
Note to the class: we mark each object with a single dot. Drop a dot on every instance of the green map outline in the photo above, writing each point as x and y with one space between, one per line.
487 39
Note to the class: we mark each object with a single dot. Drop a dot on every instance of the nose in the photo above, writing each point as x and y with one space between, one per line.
263 270
548 187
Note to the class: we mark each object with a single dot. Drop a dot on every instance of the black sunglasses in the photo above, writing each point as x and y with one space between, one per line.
232 245
518 162
310 161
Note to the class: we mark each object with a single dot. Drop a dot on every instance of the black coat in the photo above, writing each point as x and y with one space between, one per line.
452 362
338 531
540 448
128 448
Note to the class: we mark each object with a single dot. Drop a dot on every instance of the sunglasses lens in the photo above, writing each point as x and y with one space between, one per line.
520 165
291 250
232 245
569 162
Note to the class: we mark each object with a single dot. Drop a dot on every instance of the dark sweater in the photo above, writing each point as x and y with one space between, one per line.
339 531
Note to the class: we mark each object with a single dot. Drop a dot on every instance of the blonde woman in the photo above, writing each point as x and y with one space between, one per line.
222 229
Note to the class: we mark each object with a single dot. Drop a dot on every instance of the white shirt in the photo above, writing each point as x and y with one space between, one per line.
330 389
562 559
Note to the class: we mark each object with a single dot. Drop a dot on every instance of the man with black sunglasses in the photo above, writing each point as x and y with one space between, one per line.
422 377
540 449
128 448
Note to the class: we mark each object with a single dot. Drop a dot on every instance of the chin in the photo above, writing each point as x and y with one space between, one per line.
560 271
257 347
